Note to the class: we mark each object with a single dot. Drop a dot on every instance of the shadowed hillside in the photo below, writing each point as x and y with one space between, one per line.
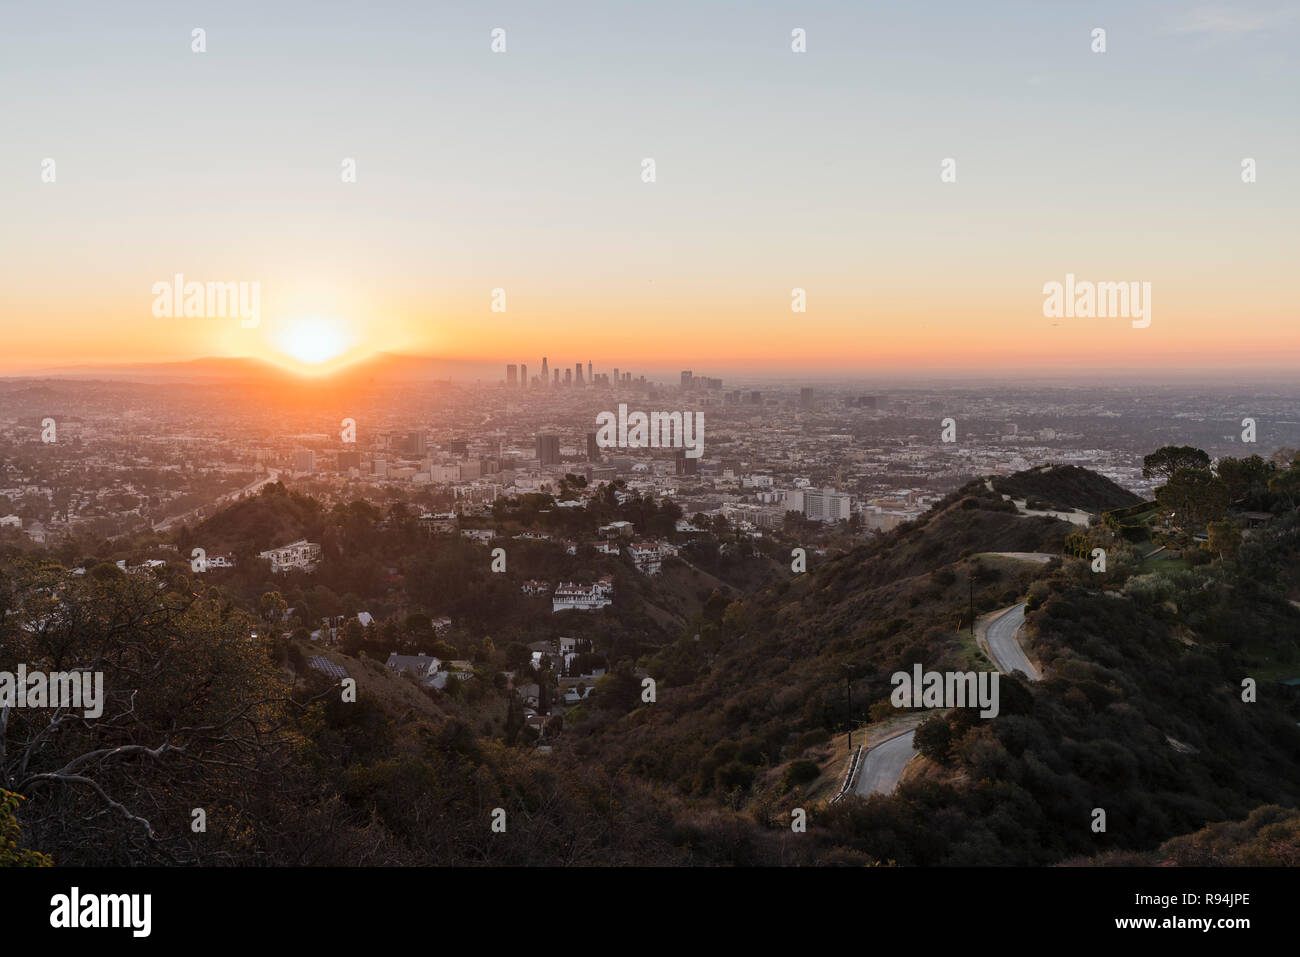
1140 711
1064 488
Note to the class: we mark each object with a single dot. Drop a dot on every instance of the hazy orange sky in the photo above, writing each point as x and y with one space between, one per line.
774 170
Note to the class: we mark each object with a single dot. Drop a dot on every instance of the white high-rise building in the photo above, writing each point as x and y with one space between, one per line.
826 505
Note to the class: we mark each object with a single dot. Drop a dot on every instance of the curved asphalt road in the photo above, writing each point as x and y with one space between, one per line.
883 765
1007 653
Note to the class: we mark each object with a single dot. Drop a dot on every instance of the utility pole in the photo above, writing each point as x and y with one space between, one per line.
848 697
971 581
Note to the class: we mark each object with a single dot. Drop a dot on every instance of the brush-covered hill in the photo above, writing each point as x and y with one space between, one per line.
1065 488
273 517
1140 712
771 669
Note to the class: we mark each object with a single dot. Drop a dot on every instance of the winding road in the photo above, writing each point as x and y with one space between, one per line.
883 765
1006 650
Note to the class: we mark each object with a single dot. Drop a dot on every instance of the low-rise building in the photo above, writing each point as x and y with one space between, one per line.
579 596
439 523
422 667
646 557
300 555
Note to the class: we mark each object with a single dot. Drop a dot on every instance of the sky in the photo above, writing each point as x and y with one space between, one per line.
522 171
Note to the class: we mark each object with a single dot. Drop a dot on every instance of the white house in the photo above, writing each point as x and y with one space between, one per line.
301 554
646 557
582 597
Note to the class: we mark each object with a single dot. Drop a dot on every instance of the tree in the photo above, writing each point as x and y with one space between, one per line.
1078 544
933 738
191 712
272 607
353 638
800 771
1194 496
383 639
106 571
1244 477
1287 485
733 777
11 854
1165 461
1224 538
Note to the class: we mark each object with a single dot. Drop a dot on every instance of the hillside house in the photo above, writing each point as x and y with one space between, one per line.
421 667
582 597
301 555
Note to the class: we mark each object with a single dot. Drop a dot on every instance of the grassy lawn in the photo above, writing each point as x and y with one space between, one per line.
1165 566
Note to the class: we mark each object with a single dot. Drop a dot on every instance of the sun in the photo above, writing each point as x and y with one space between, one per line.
311 340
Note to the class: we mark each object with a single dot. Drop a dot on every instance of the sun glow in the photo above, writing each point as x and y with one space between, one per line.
311 340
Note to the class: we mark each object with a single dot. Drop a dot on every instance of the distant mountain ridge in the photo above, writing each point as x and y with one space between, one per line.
389 366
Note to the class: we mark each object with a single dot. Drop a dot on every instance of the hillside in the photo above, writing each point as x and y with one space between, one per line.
1064 488
274 517
1139 713
771 669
